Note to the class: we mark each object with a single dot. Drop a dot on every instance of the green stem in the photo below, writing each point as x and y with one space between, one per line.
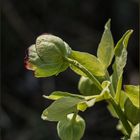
121 116
83 69
117 108
74 116
111 86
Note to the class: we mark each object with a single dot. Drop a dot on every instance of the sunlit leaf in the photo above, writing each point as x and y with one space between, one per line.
59 109
133 93
105 51
90 62
60 94
120 58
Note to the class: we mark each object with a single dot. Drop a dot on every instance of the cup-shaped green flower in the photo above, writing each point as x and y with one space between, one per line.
87 87
71 128
47 56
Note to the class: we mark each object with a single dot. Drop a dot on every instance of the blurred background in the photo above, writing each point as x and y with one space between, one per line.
80 23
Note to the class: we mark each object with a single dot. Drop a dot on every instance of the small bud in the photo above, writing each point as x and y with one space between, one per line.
47 56
86 87
70 129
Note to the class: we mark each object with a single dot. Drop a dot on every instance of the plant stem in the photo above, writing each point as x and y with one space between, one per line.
117 108
121 116
83 69
74 116
111 86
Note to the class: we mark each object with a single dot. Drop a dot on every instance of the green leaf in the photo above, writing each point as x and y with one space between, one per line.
60 94
87 87
132 113
123 98
133 93
105 51
135 135
59 109
120 58
90 62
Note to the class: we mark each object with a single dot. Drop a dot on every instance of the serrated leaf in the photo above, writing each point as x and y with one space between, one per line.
133 93
59 109
120 58
105 51
90 62
132 112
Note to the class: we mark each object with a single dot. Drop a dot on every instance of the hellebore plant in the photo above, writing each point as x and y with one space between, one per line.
50 55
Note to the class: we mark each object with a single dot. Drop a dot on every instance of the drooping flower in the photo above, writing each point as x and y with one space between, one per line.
47 56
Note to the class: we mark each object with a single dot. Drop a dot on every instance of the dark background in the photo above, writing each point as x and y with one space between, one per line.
80 23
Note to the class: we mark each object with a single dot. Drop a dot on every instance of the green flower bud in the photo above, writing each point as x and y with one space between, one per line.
86 87
70 129
47 56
